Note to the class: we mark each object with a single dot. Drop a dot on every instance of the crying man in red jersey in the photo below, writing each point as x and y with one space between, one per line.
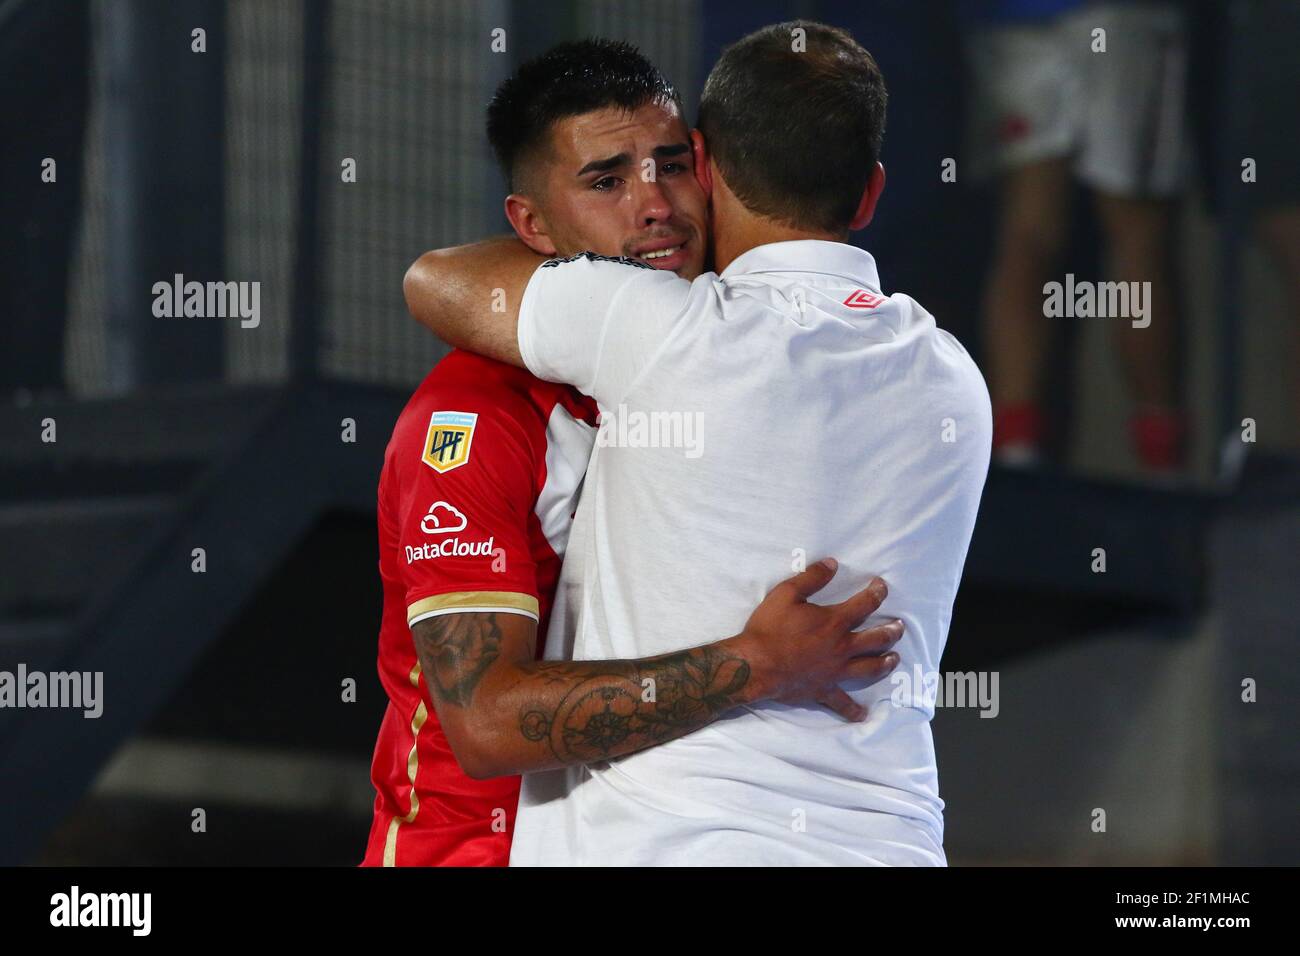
478 489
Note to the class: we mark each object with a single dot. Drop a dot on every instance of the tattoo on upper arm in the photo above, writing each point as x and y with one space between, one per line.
455 651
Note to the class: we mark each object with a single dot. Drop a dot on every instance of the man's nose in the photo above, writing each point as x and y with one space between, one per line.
652 201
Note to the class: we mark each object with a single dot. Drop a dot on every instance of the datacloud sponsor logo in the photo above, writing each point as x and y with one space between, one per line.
77 690
75 908
208 300
1098 300
978 689
443 518
623 428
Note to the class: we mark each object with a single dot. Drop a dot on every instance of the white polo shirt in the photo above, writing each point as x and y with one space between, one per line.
753 422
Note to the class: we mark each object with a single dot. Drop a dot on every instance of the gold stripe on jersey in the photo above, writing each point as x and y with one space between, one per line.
513 602
412 768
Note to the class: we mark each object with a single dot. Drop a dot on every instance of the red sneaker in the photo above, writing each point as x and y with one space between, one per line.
1158 435
1017 433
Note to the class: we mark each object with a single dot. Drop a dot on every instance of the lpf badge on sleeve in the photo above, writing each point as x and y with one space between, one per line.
446 446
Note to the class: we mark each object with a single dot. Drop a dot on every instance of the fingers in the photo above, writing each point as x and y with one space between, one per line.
837 700
877 639
863 604
870 668
807 583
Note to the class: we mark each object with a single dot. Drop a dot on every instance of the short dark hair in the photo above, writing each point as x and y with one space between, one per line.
569 79
795 132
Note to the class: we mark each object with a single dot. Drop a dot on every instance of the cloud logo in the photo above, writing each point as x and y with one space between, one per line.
448 521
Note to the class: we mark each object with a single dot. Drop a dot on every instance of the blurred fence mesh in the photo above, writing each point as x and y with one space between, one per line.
85 357
263 80
667 32
406 89
406 83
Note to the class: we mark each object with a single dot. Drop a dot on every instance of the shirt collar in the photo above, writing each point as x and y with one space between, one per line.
808 256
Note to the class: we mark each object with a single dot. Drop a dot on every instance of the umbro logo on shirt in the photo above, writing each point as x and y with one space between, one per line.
862 299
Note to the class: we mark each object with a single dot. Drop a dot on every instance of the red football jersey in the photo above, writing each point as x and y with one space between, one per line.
476 497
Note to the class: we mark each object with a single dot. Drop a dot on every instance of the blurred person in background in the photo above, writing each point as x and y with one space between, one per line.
1048 107
1270 94
1250 97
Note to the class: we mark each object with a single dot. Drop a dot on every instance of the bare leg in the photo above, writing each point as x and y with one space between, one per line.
1138 246
1280 231
1139 249
1031 236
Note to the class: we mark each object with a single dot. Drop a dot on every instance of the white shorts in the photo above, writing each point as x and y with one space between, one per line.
1040 92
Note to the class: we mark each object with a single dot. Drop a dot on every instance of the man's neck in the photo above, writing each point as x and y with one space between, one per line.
733 239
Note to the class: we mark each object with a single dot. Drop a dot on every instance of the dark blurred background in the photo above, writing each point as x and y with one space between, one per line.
134 149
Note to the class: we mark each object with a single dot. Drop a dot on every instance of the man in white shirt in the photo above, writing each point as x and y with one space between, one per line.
780 408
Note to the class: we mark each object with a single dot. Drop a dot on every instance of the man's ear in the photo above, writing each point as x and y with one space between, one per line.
870 196
528 224
700 155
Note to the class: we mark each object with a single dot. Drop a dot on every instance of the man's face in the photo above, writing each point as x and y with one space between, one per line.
622 183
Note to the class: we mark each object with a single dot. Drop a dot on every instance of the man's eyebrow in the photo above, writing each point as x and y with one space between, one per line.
676 149
623 159
605 165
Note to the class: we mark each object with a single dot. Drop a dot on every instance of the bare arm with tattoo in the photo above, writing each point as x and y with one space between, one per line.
505 712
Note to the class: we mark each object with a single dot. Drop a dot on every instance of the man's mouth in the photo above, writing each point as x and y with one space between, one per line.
662 255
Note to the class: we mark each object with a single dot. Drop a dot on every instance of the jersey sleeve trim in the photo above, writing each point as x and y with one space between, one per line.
461 602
